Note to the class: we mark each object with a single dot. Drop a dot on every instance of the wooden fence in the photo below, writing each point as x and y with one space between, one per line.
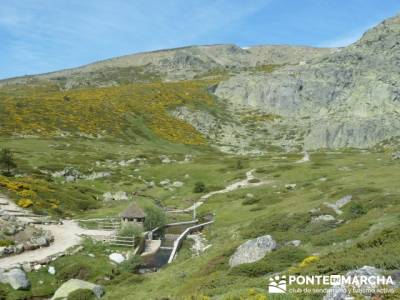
126 241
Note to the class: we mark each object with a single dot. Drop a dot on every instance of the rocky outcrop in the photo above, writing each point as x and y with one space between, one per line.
16 278
252 250
349 98
74 285
339 292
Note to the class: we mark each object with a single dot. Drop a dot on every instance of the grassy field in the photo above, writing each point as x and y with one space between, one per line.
123 139
366 235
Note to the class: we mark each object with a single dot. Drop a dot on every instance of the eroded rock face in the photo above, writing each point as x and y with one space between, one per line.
349 98
252 250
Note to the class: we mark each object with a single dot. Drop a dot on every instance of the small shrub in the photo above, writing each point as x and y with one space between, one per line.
199 187
25 203
261 170
6 243
75 270
130 230
81 294
357 210
308 260
250 201
254 180
132 264
155 217
275 261
239 164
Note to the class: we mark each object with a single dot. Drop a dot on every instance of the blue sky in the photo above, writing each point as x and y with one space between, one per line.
45 35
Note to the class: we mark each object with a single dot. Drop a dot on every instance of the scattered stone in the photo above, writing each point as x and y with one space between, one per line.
396 155
339 204
117 196
37 267
323 218
252 250
306 158
249 195
290 186
51 270
116 257
75 284
165 182
295 243
188 158
177 184
92 255
165 159
336 292
41 241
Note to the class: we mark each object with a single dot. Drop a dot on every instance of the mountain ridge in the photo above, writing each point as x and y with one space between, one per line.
267 96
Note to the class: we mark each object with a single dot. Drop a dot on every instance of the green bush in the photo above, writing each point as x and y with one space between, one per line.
6 243
254 180
132 264
130 230
380 250
357 209
250 201
81 294
280 226
239 164
199 187
78 270
155 217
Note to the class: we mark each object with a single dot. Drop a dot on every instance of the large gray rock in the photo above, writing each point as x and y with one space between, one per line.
339 292
116 257
252 250
16 278
75 284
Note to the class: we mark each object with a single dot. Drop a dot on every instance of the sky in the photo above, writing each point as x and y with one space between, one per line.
38 36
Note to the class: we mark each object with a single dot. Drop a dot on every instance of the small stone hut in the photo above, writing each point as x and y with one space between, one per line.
133 213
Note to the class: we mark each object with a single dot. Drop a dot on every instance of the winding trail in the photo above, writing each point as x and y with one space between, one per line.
234 186
66 235
69 234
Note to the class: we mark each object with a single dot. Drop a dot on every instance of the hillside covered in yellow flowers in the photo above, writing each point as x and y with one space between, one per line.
44 110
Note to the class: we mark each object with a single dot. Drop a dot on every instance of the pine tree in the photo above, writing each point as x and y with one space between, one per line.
7 160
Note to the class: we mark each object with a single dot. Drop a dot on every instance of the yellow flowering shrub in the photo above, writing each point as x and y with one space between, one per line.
24 203
308 261
27 194
46 111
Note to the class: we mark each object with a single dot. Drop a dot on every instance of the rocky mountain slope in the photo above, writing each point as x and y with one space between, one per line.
266 96
174 64
349 98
